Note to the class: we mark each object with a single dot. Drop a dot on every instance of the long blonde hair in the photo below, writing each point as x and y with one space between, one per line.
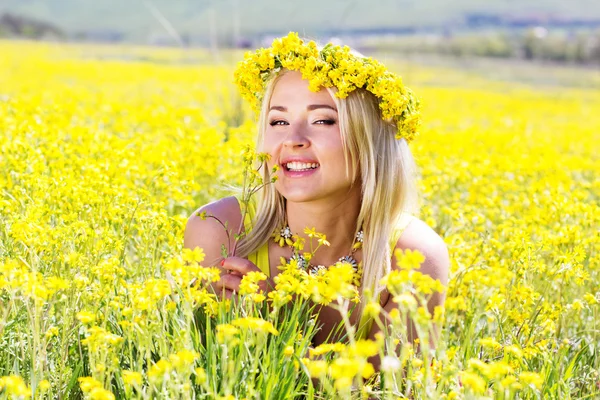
388 179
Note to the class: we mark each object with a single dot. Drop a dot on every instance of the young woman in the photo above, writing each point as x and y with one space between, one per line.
337 125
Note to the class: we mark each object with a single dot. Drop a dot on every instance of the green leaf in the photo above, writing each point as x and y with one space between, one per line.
224 251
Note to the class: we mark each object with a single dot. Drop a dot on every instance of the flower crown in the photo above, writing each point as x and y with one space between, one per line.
333 65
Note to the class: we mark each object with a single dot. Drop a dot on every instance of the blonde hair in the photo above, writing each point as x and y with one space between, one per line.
387 175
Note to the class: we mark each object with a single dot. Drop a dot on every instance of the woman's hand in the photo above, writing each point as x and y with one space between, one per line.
233 270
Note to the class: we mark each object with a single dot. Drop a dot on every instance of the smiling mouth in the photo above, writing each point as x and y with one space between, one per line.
300 166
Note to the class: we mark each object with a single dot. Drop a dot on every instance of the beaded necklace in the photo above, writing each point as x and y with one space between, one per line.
284 236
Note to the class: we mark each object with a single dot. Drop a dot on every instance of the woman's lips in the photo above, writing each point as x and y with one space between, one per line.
299 169
299 174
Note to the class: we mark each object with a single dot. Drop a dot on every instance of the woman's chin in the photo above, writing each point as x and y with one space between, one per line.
307 193
299 197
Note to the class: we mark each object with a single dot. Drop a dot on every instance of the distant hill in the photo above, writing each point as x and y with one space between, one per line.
16 25
196 20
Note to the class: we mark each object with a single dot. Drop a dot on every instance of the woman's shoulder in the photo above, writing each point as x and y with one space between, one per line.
226 208
417 235
212 225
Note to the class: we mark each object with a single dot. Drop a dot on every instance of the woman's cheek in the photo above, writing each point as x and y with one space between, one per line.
270 145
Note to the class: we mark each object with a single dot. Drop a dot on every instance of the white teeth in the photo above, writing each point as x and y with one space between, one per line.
300 166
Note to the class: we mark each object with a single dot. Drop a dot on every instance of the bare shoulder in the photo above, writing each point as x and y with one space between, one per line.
214 229
226 209
419 236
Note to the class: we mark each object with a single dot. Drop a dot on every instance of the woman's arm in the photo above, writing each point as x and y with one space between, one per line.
419 236
208 233
213 231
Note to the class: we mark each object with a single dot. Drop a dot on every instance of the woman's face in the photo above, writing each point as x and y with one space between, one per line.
303 138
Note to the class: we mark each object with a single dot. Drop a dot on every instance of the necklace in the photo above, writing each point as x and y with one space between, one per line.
284 236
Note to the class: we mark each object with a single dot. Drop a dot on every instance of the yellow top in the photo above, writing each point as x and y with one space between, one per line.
260 258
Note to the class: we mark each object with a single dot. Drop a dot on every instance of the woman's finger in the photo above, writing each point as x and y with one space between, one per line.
222 292
226 287
239 266
229 281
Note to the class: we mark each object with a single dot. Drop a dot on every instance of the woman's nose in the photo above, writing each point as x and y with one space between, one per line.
296 137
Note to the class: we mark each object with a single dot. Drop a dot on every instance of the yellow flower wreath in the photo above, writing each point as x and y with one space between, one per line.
332 66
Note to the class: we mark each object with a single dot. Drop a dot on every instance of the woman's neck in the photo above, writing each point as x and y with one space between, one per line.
335 218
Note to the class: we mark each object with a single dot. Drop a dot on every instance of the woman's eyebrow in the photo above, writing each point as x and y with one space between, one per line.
317 106
310 107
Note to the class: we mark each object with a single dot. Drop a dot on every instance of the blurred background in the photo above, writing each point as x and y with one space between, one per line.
549 31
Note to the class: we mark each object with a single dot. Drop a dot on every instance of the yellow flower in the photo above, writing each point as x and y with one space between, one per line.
577 305
409 259
395 315
332 66
406 301
249 284
210 274
131 378
258 298
193 256
100 337
55 284
51 332
13 386
255 324
372 309
590 299
200 375
514 351
44 385
343 383
498 370
531 379
158 372
490 343
183 359
325 348
336 282
343 367
511 383
316 368
87 383
227 333
472 382
99 393
364 348
288 351
86 317
99 368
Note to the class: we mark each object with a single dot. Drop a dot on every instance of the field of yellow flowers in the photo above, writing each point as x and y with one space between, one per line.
106 151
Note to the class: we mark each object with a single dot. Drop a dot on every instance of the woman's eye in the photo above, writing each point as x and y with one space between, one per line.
277 122
325 122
